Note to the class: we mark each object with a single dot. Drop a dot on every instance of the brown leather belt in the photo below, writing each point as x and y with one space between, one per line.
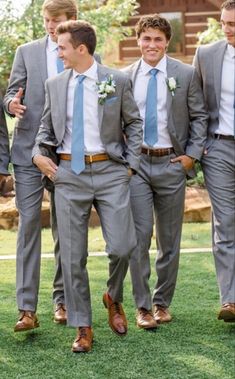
222 136
157 152
88 158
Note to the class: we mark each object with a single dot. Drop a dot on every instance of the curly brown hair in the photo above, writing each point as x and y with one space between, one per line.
154 21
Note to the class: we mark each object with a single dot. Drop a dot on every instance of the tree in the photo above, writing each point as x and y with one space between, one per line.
212 33
107 16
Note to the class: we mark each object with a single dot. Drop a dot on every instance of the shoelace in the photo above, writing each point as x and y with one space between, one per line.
82 333
145 312
117 308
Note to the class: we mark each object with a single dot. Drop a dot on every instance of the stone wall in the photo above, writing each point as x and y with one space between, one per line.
197 209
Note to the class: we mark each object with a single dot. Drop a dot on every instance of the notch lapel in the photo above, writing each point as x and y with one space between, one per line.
102 74
62 93
171 70
42 58
218 65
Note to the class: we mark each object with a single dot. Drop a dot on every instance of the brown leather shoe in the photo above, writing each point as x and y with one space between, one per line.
117 318
161 314
27 321
83 341
60 316
227 312
145 319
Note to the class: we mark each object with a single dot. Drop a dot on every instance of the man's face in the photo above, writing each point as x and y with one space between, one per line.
227 20
67 53
51 22
152 44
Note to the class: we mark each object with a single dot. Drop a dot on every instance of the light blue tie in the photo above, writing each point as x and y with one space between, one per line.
77 147
59 63
150 129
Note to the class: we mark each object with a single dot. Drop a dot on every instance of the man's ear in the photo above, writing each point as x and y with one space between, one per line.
82 49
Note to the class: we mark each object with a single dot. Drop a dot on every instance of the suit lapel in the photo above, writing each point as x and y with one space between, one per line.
218 64
134 71
171 72
62 92
42 58
102 75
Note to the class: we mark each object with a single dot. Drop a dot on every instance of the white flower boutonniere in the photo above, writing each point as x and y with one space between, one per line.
172 85
105 87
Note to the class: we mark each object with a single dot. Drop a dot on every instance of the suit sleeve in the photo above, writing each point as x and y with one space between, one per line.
4 144
198 118
45 141
132 126
18 78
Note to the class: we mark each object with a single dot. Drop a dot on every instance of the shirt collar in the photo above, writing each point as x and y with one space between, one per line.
231 51
90 73
161 66
51 45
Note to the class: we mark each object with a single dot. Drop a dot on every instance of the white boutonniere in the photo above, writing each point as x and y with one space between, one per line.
172 85
105 87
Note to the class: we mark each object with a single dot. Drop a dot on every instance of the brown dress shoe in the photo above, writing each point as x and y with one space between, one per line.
227 312
83 341
60 316
117 318
27 321
145 319
161 314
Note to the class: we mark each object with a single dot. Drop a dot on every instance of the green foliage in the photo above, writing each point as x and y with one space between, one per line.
212 33
106 16
199 178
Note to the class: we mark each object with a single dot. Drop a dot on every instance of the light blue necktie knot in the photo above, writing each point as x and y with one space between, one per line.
77 145
151 127
153 72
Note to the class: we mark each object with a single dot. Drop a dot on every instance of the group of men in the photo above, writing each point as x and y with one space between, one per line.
123 142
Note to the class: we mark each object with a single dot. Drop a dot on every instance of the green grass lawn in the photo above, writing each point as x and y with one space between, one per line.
195 235
194 346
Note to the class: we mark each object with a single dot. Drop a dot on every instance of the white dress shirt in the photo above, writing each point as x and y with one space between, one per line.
51 53
92 140
140 94
226 109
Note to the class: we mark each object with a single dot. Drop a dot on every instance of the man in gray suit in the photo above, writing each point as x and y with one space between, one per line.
95 167
171 104
25 97
215 64
4 148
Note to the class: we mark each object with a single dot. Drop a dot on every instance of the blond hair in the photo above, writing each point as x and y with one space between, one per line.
58 7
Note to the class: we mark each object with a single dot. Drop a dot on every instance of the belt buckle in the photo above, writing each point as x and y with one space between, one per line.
90 160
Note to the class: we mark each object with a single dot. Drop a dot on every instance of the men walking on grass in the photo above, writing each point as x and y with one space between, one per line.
92 123
34 62
171 104
215 64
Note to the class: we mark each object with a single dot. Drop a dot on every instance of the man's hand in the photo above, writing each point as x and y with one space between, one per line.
186 161
46 166
15 106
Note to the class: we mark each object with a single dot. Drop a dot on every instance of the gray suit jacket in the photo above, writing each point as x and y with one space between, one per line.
187 117
119 120
208 62
29 71
4 143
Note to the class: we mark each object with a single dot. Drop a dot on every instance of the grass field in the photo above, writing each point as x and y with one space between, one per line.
194 346
195 235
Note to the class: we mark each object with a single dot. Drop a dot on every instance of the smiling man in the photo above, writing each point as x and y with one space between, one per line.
215 64
171 104
34 62
98 142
